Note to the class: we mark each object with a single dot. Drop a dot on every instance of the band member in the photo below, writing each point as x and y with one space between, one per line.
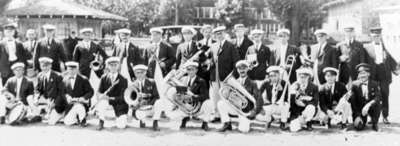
144 96
322 55
304 100
242 42
258 54
332 100
281 50
70 43
188 48
223 57
49 47
351 53
86 51
31 43
365 99
11 51
225 109
111 95
161 51
19 88
206 31
78 93
276 101
382 66
50 91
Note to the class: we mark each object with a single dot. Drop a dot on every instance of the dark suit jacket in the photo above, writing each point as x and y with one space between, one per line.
54 50
291 50
199 88
69 46
184 52
117 92
358 101
311 90
85 56
328 58
149 87
81 88
227 58
252 88
381 72
134 56
242 49
327 100
357 55
263 58
26 88
53 88
267 88
5 64
167 56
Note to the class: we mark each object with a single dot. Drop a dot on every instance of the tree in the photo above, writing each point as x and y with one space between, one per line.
298 15
176 12
3 5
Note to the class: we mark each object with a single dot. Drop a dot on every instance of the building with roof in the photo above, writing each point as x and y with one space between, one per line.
66 16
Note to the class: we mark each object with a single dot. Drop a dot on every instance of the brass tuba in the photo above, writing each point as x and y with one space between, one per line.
237 96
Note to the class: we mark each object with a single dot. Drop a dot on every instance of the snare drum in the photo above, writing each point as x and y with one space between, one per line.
17 113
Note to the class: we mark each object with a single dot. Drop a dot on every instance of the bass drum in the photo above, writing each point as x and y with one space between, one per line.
17 113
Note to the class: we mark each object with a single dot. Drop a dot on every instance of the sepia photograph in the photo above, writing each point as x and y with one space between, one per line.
199 72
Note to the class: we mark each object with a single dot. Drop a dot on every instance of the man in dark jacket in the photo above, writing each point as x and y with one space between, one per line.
242 42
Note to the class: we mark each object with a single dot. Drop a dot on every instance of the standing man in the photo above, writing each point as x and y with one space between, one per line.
86 51
161 51
11 51
258 55
70 44
19 87
322 55
382 67
31 43
51 91
242 42
188 49
78 93
351 53
223 56
49 47
365 99
110 95
281 49
205 44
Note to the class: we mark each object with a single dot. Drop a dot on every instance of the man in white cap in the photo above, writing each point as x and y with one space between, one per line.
351 53
86 51
281 49
17 86
161 51
383 65
223 57
206 31
258 55
335 108
78 93
322 55
303 99
225 107
276 97
141 96
50 47
187 49
50 91
31 42
111 95
12 51
242 42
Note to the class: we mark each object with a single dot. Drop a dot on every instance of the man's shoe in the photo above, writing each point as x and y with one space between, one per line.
155 125
283 126
216 120
83 123
183 123
142 124
2 120
386 121
342 125
204 126
35 119
225 127
309 126
101 125
375 127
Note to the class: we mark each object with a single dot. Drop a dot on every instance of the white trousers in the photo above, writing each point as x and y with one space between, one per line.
277 112
343 113
76 114
244 123
215 97
306 116
106 111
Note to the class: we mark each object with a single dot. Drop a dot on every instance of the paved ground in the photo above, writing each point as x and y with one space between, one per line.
42 135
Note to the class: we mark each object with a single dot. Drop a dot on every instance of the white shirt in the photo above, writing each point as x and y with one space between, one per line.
47 75
378 53
364 88
72 81
242 80
157 48
321 48
18 87
86 44
113 76
141 84
191 80
12 50
239 41
282 54
332 87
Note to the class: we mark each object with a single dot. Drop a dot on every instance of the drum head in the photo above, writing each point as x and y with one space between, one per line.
17 113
